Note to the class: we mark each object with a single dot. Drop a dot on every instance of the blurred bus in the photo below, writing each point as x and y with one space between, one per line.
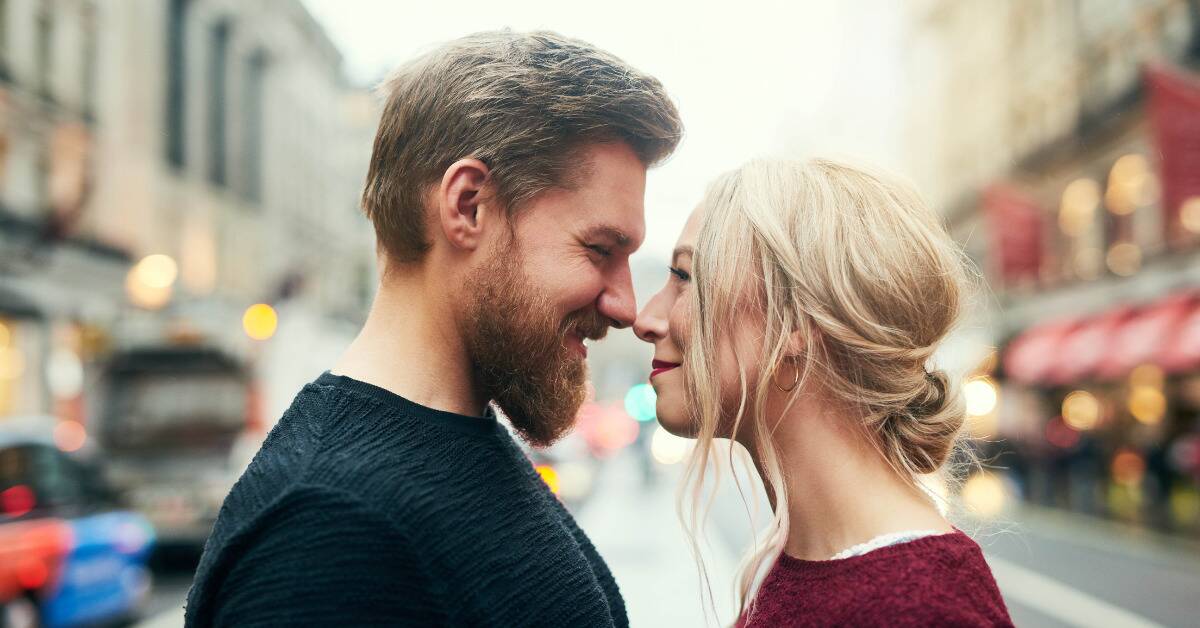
179 424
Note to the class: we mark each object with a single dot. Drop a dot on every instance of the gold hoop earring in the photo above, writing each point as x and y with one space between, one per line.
795 380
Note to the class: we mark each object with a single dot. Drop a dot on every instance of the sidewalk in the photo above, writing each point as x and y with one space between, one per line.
637 532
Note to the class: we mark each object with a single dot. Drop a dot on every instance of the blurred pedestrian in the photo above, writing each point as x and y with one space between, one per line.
506 190
804 302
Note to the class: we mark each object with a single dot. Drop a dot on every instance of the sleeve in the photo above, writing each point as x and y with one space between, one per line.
323 558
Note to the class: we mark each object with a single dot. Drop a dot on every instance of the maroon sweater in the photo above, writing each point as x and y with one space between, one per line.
932 581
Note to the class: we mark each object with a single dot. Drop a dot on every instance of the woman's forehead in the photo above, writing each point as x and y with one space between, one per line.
691 230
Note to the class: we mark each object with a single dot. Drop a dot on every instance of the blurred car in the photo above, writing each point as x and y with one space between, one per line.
70 555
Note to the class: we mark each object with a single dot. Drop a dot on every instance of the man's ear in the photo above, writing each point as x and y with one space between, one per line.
459 200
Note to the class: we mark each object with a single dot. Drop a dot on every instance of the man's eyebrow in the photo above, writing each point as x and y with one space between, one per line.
612 233
682 250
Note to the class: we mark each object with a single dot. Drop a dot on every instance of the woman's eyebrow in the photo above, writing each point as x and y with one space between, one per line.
681 250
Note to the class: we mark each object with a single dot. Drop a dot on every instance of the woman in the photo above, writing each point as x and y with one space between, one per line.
803 305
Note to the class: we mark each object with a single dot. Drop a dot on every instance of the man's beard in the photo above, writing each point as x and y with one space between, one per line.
515 342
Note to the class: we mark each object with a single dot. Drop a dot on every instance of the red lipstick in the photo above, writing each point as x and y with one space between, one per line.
661 366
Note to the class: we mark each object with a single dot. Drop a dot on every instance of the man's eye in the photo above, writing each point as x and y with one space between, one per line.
600 250
680 273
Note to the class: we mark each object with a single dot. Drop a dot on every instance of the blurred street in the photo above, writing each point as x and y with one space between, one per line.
183 247
1118 576
1053 569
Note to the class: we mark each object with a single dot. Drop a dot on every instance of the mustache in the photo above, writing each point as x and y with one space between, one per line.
590 325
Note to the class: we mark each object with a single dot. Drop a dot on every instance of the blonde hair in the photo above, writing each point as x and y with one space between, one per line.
857 264
522 103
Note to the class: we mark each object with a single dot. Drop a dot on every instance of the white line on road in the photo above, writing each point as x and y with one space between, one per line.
1055 599
166 619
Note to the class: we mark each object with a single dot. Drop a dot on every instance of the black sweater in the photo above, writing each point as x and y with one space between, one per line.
365 509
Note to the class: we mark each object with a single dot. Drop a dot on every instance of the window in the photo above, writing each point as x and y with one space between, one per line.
43 48
176 75
217 62
88 80
4 74
252 125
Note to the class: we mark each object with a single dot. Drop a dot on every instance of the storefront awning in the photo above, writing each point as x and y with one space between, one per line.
1107 346
1084 348
1182 353
1146 335
1033 355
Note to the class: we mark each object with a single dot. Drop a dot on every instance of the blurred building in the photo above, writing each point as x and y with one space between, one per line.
1062 141
164 165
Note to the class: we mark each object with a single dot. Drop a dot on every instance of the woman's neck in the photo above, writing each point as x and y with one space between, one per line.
840 490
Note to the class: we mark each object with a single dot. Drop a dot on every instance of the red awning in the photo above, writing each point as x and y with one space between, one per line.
1034 353
1143 338
1173 109
1182 353
1084 348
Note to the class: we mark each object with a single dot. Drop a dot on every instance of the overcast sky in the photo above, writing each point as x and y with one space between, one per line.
750 77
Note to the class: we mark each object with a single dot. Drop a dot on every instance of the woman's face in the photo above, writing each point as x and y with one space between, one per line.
665 322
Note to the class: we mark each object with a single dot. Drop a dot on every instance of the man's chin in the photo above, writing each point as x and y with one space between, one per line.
540 433
544 418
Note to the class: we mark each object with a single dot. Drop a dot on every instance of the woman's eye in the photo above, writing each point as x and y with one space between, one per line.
681 274
599 250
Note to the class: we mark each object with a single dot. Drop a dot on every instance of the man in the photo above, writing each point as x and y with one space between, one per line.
506 190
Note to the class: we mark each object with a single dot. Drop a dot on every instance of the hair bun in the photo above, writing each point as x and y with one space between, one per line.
925 429
934 396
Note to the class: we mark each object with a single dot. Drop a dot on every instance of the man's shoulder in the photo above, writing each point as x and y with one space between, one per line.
308 533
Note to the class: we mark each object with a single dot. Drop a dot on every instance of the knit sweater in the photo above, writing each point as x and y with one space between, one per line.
937 580
365 509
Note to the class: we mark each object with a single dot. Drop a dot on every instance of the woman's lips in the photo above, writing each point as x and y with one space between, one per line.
660 366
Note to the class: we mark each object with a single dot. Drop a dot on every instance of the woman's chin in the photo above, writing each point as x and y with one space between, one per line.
675 421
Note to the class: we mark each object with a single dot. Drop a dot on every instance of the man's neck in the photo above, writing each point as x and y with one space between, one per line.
410 346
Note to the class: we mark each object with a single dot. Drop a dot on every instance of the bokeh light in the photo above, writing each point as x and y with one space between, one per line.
149 283
157 271
984 494
1128 467
1061 435
668 448
1079 201
1124 259
69 435
1081 410
549 476
1147 404
260 321
1189 214
981 395
640 402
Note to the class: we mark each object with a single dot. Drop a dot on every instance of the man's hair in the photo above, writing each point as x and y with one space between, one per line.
525 104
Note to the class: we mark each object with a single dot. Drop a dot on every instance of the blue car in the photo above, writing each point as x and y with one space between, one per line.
70 555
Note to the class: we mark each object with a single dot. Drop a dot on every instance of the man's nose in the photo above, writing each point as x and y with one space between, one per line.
617 302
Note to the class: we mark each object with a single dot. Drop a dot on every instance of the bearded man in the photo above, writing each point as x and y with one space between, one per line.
506 190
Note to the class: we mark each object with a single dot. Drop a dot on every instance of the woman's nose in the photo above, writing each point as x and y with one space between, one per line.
651 322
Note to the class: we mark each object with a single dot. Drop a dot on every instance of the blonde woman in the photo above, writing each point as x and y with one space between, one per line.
804 302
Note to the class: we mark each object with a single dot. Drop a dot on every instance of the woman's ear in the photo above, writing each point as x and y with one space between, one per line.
458 201
796 344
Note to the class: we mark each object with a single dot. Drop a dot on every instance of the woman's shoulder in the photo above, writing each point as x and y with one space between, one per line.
932 580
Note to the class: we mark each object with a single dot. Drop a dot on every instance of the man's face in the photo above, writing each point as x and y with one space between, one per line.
561 276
